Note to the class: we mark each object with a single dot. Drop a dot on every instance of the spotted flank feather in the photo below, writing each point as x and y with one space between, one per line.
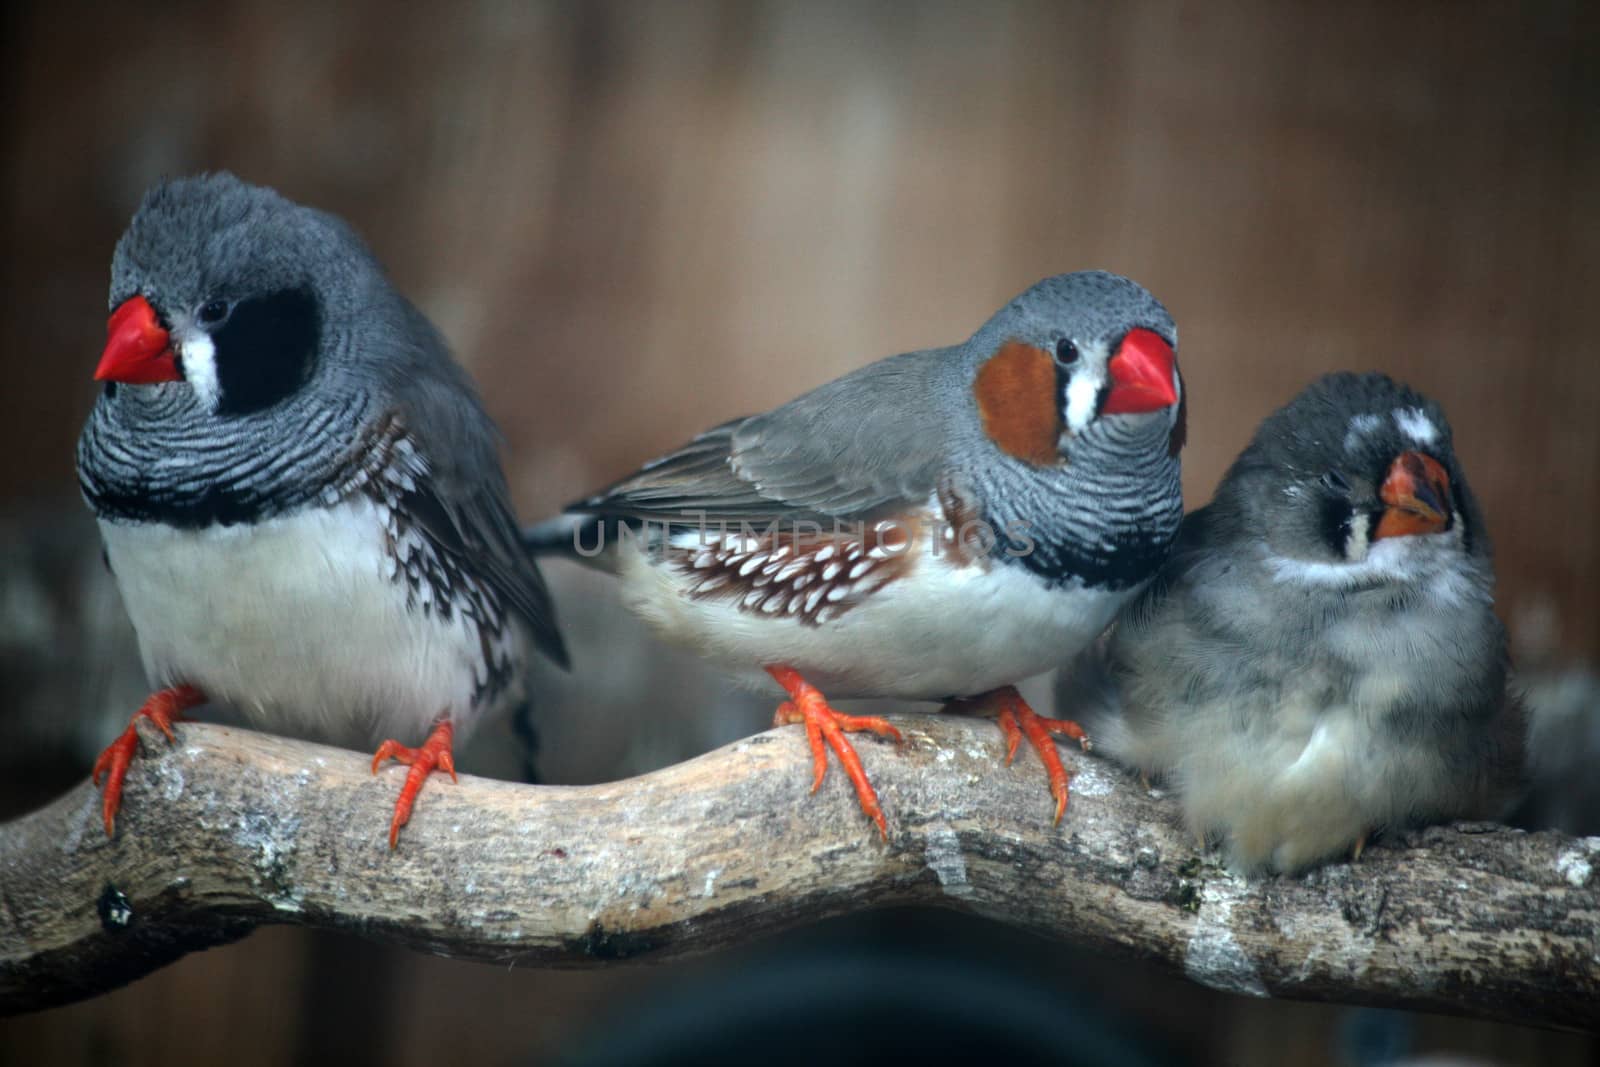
813 577
453 561
437 584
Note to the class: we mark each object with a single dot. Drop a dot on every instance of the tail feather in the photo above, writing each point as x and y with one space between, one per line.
585 539
563 535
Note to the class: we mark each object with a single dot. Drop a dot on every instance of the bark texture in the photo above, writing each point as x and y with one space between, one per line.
228 830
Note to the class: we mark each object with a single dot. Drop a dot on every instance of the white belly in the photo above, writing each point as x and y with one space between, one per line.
940 631
1288 783
295 621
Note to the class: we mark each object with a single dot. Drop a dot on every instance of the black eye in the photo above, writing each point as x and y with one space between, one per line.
213 312
1066 352
1335 481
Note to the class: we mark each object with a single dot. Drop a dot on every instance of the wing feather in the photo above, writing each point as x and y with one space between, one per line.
461 500
868 444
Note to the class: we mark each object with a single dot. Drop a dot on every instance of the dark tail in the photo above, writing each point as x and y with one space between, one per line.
564 535
585 539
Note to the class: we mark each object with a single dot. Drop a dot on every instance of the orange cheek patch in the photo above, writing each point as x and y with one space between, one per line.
1016 393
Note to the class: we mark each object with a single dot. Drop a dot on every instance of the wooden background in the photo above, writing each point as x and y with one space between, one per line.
635 220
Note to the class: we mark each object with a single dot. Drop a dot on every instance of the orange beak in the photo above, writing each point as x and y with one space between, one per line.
138 350
1417 495
1141 375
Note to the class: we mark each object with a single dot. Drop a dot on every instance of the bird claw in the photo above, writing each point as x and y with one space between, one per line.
1017 720
433 754
163 708
825 729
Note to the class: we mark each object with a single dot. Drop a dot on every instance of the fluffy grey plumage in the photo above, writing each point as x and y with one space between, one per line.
311 523
1315 662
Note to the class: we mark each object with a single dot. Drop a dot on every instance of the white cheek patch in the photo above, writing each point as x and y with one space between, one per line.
1359 538
1394 559
199 356
1360 426
1416 425
1082 390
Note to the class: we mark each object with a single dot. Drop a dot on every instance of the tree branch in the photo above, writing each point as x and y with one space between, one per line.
230 829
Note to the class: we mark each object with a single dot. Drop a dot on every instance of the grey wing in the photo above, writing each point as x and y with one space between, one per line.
867 444
464 505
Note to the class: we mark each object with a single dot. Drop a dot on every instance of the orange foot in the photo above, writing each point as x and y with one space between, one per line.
434 753
1016 720
823 724
162 708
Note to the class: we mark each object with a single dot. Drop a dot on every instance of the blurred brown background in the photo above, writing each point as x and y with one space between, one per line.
636 220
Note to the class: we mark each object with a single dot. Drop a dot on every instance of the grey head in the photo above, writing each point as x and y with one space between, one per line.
1092 308
1071 422
1074 356
259 362
259 296
1355 484
254 344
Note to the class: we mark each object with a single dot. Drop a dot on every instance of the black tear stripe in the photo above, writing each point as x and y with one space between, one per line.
1334 521
265 350
1458 505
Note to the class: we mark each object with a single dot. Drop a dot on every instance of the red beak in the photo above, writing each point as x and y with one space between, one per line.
1141 375
138 350
1417 492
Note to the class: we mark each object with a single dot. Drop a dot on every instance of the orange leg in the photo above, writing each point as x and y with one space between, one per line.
162 708
434 753
827 727
1017 721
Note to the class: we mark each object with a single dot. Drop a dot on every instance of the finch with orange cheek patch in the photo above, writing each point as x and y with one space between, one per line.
1320 660
938 525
